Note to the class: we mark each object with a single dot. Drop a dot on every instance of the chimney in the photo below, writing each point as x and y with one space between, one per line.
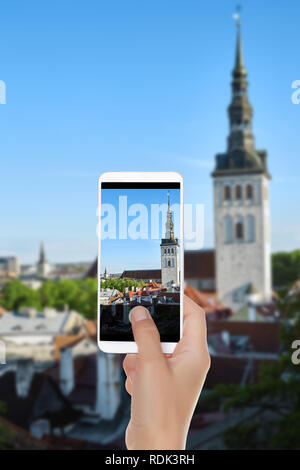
251 312
50 312
30 312
226 337
40 427
24 376
2 352
66 371
108 386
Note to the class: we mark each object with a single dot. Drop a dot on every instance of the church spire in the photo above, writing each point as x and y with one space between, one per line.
42 258
241 156
169 223
240 110
239 62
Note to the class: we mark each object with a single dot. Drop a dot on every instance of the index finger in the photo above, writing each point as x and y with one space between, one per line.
194 335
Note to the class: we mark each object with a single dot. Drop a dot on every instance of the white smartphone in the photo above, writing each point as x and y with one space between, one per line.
140 256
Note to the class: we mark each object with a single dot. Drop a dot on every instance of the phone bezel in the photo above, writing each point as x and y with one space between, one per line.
136 177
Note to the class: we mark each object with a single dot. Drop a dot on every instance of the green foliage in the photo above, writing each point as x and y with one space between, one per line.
242 437
5 434
79 294
286 268
16 295
273 401
121 284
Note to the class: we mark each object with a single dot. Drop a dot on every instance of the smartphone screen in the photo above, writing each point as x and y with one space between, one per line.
140 257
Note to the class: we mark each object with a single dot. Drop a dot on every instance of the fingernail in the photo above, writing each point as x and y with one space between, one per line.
140 313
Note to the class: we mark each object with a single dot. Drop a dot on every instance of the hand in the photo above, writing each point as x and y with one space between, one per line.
165 390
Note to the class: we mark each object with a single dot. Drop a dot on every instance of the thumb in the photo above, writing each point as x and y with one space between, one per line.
146 334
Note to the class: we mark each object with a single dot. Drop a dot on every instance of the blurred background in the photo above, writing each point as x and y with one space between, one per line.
195 87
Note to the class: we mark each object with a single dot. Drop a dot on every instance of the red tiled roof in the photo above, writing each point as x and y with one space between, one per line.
263 336
142 274
61 342
91 327
199 264
208 303
230 370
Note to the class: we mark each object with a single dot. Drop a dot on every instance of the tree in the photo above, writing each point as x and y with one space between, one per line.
79 294
285 268
5 435
274 398
15 295
121 284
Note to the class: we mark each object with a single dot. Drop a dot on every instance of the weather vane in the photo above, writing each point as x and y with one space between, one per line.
237 15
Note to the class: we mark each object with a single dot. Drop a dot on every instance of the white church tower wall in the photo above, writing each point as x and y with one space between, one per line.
169 253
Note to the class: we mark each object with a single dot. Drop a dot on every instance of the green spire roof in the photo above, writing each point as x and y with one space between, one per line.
239 62
241 155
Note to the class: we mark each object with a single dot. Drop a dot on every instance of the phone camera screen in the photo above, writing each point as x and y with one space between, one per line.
140 253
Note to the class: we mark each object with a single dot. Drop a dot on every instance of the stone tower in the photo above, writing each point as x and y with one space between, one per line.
169 253
241 204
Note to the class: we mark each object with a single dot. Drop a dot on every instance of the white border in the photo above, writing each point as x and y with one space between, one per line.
137 177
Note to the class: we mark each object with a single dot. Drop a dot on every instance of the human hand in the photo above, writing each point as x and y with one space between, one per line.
165 390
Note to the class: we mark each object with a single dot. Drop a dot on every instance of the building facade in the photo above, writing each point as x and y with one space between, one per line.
9 266
241 204
169 253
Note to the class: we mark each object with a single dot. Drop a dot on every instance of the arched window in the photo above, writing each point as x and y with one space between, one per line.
239 230
249 191
169 263
165 250
238 192
250 228
168 250
172 251
228 229
227 193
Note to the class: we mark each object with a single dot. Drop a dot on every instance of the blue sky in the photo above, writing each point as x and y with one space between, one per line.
96 86
120 254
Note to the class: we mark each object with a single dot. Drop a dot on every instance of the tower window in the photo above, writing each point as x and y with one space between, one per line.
172 251
228 229
238 192
250 228
169 263
249 191
227 193
165 250
239 231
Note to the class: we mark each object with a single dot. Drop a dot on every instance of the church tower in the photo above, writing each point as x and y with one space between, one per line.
241 203
169 253
42 267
